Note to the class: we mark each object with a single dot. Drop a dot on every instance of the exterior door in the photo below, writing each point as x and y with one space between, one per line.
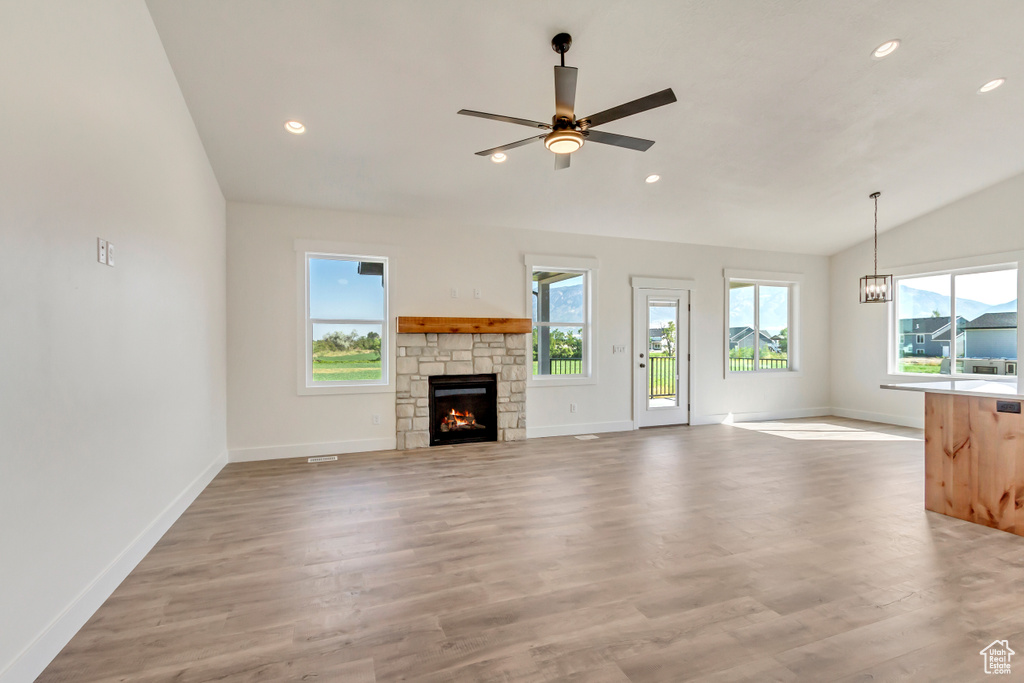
661 368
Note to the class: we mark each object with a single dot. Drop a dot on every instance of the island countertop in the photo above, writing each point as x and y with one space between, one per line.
982 388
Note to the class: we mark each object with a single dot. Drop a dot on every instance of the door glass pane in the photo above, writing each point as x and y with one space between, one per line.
741 326
773 319
662 361
923 334
986 315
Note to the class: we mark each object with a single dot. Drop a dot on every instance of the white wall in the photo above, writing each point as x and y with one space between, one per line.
989 222
112 381
267 418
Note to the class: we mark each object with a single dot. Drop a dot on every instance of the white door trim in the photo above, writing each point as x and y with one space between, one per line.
668 286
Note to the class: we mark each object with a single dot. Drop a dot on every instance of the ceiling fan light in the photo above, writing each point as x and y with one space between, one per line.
498 157
563 141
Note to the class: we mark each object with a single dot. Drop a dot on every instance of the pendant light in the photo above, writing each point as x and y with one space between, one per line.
876 289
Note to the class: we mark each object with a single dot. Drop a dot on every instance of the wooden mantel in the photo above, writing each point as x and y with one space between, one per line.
407 324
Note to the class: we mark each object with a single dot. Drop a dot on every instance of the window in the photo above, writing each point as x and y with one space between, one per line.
760 335
559 322
963 321
561 299
346 332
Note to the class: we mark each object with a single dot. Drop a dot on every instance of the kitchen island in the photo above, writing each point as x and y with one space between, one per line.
973 450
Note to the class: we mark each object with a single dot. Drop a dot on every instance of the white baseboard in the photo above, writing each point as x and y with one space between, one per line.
44 647
309 450
573 430
884 418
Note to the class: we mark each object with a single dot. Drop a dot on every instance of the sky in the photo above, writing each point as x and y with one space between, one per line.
774 307
995 287
338 291
661 315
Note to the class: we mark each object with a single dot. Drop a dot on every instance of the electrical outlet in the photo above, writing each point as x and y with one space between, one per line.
572 407
110 254
476 292
376 419
455 292
101 250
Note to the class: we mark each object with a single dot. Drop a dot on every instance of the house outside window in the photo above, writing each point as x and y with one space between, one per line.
983 339
345 336
761 335
561 298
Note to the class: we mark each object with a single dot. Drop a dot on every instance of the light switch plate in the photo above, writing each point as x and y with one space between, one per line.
110 253
101 250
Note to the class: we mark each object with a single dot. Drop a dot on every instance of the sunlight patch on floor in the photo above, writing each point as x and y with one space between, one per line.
819 431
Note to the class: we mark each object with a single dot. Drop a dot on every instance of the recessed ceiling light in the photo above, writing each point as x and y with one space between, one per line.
885 49
992 85
498 158
294 127
653 178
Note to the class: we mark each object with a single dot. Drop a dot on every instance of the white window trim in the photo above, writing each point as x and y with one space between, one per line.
961 266
762 277
303 250
590 267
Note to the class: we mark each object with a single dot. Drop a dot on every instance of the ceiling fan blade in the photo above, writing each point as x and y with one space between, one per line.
562 161
565 91
639 144
658 99
511 145
506 119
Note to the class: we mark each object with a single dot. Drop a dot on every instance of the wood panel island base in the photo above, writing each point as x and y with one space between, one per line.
974 451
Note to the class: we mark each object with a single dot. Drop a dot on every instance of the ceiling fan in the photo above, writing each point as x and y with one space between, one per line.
567 133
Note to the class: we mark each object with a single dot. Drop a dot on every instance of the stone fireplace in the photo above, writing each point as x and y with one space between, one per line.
422 355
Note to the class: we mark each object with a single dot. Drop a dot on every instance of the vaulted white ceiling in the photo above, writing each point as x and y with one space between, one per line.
783 127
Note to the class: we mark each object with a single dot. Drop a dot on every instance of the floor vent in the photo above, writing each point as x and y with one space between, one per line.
323 458
586 437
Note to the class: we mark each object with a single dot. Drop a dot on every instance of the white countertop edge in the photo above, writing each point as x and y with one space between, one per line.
962 387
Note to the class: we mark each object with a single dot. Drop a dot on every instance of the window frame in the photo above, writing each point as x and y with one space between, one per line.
792 281
306 250
588 267
952 268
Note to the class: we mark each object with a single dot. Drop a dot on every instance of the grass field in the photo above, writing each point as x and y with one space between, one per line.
332 367
920 365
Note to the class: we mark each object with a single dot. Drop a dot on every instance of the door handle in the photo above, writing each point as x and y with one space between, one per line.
642 365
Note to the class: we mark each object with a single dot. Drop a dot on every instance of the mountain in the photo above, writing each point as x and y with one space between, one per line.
566 304
774 308
920 303
1003 308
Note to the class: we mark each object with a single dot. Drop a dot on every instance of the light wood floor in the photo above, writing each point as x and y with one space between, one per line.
795 553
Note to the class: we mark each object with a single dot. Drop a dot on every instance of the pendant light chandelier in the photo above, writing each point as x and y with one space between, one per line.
876 289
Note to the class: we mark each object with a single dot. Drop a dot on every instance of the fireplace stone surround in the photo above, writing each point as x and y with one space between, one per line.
422 355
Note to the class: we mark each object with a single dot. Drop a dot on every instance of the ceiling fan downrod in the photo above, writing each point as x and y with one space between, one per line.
561 44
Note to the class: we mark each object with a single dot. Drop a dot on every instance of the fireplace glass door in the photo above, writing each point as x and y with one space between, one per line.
463 408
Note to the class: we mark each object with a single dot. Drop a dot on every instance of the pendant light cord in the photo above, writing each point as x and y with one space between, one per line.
875 196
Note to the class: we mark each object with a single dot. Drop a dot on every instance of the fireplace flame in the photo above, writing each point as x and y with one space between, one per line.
457 419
